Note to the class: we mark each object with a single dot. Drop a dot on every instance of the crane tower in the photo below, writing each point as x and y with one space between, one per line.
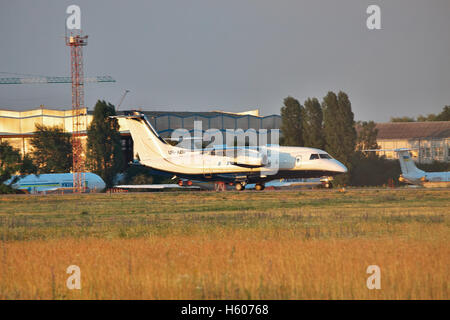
76 42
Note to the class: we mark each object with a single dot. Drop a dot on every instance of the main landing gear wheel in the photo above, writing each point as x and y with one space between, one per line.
259 187
239 186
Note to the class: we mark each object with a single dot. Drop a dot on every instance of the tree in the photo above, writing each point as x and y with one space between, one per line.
291 122
104 150
402 119
11 163
444 115
339 130
429 117
374 171
52 149
367 136
367 168
313 124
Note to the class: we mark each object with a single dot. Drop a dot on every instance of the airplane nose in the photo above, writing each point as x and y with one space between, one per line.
339 167
102 185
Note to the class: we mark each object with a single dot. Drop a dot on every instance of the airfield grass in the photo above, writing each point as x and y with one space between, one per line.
227 245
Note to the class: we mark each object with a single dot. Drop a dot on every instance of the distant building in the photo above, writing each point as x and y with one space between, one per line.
430 140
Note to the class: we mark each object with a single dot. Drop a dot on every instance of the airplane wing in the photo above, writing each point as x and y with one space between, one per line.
246 165
154 186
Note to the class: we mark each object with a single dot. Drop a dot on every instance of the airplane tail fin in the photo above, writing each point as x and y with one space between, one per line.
147 142
406 162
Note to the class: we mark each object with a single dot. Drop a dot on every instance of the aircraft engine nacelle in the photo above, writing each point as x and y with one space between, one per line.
251 158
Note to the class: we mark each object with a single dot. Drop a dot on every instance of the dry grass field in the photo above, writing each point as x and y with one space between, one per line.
206 245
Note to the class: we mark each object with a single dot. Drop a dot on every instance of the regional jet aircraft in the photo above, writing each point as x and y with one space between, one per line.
214 164
52 182
413 175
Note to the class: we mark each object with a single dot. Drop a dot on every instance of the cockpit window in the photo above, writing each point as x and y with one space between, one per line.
314 156
324 156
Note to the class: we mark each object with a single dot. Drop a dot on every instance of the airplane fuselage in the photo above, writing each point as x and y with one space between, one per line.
212 165
54 182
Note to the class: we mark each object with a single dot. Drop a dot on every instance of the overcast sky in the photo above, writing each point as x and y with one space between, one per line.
234 55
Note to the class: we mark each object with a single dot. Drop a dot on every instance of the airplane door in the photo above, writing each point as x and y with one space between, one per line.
207 164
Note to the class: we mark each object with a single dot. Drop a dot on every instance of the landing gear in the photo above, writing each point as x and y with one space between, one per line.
259 187
328 185
239 186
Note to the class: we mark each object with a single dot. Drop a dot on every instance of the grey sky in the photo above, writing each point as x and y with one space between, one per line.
235 55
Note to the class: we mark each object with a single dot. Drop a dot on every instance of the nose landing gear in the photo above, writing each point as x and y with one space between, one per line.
328 185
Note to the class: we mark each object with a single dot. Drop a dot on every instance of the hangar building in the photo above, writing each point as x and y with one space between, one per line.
17 127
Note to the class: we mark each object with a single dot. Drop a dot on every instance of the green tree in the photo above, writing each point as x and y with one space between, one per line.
104 150
313 124
402 119
444 115
291 122
367 168
367 136
374 171
52 149
339 130
429 117
12 163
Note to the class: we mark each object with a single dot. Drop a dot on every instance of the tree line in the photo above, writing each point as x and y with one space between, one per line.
444 115
329 125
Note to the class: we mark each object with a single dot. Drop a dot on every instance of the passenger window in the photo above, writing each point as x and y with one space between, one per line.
314 156
298 160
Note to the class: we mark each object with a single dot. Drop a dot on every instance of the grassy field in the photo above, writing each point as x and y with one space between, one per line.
230 245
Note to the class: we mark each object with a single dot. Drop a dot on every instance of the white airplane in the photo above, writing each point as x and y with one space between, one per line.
51 182
413 175
215 165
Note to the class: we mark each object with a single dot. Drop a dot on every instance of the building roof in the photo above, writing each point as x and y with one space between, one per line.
413 130
207 114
